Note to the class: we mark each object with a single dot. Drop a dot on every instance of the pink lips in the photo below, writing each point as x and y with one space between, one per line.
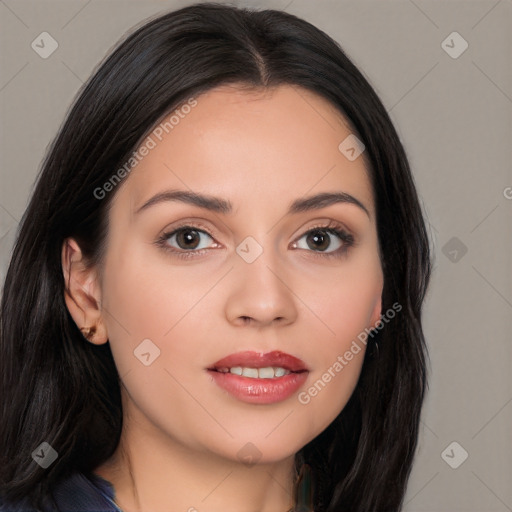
258 360
259 390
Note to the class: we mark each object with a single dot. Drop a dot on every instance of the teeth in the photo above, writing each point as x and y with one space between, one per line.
257 373
266 373
250 372
279 372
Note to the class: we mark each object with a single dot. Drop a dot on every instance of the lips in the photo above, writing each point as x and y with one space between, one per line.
257 378
258 360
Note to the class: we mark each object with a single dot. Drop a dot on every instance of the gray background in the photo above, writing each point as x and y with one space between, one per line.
454 116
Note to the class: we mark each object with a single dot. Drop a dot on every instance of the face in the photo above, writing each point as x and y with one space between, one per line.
185 285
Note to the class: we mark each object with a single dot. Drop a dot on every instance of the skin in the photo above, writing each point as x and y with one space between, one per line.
260 150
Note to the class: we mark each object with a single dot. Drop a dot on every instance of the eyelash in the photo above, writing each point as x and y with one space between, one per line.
333 228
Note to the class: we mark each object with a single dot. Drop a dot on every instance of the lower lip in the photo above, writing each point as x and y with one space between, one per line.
260 391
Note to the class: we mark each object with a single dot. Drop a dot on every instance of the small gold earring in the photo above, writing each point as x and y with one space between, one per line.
88 332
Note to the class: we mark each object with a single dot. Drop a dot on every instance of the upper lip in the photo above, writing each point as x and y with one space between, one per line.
250 359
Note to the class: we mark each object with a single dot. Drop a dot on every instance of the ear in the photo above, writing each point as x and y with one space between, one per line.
82 292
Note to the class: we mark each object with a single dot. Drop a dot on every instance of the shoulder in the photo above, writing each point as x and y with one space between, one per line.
85 493
77 493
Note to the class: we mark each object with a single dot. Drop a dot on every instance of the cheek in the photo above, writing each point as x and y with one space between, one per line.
347 310
153 308
146 287
153 328
337 366
347 303
132 304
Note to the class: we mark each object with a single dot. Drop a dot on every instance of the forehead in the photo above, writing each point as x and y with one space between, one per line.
250 145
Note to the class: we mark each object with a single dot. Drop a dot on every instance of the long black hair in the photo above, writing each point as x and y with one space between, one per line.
59 388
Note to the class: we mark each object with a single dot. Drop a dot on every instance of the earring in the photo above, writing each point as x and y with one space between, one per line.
88 332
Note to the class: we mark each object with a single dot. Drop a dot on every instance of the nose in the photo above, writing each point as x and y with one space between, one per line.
261 293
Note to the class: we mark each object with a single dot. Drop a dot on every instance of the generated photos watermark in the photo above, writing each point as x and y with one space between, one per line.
150 142
305 397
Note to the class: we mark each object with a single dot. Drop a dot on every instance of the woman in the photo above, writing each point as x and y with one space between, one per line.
214 300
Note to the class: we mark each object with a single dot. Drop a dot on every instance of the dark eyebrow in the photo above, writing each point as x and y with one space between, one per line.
323 200
215 204
218 205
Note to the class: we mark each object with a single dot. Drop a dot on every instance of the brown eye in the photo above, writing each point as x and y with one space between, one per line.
330 240
318 239
186 238
321 239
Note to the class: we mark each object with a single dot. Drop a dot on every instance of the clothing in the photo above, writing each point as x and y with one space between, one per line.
77 493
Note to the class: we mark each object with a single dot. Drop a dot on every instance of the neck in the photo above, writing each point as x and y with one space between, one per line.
152 471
